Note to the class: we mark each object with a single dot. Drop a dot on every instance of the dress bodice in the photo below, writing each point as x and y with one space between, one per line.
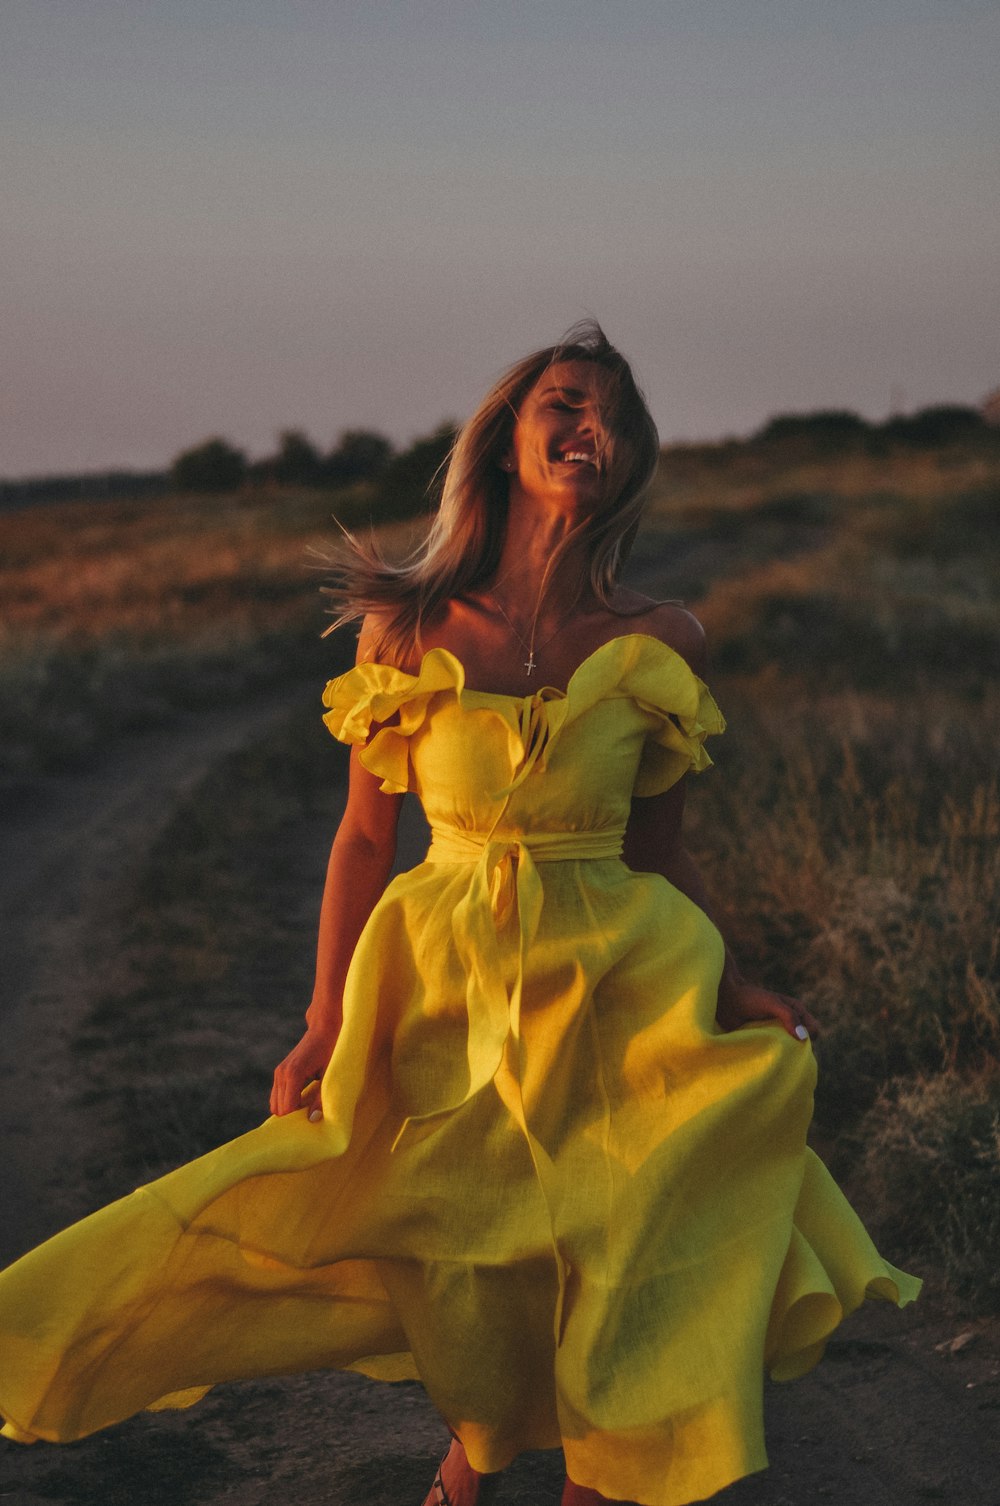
632 720
512 785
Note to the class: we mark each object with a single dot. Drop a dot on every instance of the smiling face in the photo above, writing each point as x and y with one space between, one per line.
558 449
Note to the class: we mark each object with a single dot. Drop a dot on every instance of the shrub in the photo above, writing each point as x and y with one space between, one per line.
360 455
298 462
945 424
407 484
212 466
826 429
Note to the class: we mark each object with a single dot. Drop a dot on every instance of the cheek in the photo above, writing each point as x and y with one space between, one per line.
533 450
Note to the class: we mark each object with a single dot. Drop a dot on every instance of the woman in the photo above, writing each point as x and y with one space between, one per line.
541 1144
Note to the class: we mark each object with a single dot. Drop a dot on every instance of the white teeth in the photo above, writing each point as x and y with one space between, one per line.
578 455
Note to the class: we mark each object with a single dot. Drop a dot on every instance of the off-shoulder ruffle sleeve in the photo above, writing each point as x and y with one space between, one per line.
394 704
678 745
680 706
663 684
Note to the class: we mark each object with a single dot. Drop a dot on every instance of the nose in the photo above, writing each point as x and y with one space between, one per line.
588 424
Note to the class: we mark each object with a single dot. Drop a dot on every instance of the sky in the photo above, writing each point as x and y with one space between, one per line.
240 216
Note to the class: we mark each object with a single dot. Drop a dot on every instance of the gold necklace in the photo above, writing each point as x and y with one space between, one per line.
528 644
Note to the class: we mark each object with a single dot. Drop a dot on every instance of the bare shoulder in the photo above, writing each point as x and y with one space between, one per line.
674 625
681 631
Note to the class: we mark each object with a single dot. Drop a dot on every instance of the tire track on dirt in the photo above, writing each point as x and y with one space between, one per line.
72 846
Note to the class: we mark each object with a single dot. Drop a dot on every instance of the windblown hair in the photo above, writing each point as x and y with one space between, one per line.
462 548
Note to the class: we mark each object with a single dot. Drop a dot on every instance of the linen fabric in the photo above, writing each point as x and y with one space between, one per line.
545 1183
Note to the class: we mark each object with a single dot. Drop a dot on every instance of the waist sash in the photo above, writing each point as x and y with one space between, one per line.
505 879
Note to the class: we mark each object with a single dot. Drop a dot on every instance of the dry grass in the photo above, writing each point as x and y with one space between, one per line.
930 1156
115 615
855 836
702 481
860 843
160 569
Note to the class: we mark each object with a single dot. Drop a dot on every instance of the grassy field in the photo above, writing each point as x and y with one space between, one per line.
857 824
114 615
851 604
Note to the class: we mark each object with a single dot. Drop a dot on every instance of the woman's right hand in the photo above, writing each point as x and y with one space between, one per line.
304 1064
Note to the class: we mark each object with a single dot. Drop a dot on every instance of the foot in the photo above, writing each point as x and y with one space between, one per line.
458 1484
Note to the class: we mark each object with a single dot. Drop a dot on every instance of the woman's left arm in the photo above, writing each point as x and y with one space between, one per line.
653 844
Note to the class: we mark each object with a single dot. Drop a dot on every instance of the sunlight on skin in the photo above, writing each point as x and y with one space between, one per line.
463 1485
558 418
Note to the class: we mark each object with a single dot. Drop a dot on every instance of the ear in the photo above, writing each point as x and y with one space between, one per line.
507 459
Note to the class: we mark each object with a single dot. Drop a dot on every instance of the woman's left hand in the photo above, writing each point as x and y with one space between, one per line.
741 1002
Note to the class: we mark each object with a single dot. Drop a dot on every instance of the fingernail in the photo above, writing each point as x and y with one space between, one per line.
801 1033
315 1115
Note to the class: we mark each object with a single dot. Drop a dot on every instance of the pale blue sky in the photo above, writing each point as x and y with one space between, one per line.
241 215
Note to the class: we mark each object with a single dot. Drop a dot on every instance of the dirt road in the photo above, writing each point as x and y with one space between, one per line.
891 1418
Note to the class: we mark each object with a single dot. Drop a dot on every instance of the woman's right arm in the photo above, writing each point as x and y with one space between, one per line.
360 863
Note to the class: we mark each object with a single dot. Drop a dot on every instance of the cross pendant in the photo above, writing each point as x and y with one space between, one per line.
530 662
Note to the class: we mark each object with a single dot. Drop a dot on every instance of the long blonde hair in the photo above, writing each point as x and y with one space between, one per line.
462 548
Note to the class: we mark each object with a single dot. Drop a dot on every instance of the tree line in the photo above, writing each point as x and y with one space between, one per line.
215 465
401 477
365 455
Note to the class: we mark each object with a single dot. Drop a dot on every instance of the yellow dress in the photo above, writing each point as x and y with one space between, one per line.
545 1183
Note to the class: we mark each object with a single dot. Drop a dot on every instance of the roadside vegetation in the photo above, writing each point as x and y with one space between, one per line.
848 579
117 613
855 835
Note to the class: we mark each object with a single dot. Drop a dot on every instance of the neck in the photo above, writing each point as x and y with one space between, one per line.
527 581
